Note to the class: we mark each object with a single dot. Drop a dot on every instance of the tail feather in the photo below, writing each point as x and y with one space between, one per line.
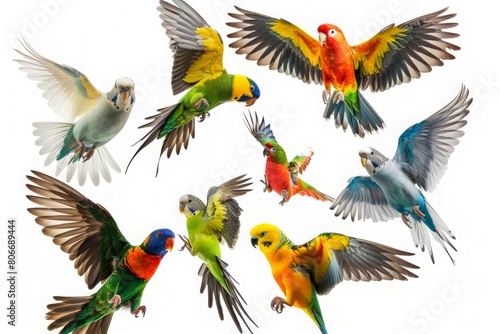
233 301
369 120
420 233
314 312
51 137
308 190
176 138
65 314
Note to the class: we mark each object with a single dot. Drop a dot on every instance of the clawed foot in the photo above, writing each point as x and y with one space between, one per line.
187 244
284 194
116 300
416 210
202 117
277 304
326 96
406 220
337 97
201 101
267 187
89 154
140 309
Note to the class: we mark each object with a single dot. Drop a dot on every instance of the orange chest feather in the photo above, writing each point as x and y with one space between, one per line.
337 67
141 264
277 176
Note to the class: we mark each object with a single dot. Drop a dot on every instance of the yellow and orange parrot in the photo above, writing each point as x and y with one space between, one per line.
316 267
397 54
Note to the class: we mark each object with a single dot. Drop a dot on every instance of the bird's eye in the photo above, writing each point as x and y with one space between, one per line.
262 234
331 32
159 235
189 201
371 153
273 149
252 88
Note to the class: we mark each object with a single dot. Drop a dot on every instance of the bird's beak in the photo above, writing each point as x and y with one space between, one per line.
254 242
322 38
181 207
265 152
363 161
169 244
125 94
250 102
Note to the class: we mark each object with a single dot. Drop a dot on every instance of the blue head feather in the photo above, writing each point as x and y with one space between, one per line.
156 243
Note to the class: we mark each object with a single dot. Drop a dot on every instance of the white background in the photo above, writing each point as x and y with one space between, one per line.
109 39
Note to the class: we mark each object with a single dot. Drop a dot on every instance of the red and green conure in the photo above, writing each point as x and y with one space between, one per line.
396 54
89 234
282 175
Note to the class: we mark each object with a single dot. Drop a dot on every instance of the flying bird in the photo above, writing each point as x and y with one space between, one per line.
394 186
88 233
396 54
305 271
92 118
282 175
198 53
209 225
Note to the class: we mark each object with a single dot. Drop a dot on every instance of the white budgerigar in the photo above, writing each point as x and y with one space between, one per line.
421 159
77 145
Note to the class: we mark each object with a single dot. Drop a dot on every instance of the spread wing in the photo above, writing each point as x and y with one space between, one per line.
401 53
278 44
69 92
260 130
197 48
83 229
331 258
365 199
222 212
424 148
300 162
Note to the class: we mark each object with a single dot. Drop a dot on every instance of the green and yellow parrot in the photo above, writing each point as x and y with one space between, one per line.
209 225
316 267
397 54
88 233
282 175
198 53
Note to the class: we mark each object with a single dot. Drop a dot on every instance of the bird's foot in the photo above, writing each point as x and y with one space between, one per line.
277 304
416 210
88 154
337 97
138 310
267 187
78 153
201 101
187 244
406 220
326 96
116 300
284 194
202 117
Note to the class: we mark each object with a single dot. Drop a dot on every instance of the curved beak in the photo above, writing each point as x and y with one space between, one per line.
125 94
363 161
182 206
254 242
322 38
265 152
250 102
169 244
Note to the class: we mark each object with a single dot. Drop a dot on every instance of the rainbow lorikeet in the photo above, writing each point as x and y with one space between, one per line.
208 225
198 66
89 234
282 175
316 267
397 54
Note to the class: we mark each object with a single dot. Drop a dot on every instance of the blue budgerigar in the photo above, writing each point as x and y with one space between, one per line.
392 188
93 118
